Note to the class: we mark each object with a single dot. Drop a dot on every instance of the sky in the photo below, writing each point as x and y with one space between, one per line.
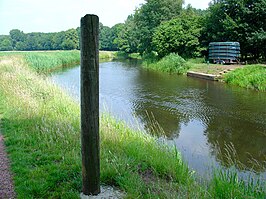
58 15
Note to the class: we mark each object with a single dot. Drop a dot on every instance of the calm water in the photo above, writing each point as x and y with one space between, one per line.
205 120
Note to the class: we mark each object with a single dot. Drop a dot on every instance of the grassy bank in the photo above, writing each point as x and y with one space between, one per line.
171 63
41 129
47 61
252 76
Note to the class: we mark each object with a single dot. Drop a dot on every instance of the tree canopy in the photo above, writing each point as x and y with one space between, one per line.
179 35
150 16
164 27
238 20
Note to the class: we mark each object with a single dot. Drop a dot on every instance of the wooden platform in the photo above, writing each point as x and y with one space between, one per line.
203 75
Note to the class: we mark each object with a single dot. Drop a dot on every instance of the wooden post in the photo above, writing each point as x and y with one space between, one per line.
89 87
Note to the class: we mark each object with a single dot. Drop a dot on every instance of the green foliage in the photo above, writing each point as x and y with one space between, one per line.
171 63
64 40
17 36
253 76
5 43
108 37
127 38
179 35
151 15
237 20
71 40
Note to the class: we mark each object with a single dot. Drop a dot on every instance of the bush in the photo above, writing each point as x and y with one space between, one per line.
172 63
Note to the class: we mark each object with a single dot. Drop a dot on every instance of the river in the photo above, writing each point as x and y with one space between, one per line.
207 121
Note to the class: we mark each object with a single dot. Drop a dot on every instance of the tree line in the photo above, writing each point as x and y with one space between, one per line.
162 27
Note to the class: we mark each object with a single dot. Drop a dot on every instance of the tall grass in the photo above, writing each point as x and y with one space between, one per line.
171 63
47 61
252 76
227 184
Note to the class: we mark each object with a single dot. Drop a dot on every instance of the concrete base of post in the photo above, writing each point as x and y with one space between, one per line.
106 192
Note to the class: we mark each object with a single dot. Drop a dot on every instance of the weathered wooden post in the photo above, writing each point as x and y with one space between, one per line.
90 105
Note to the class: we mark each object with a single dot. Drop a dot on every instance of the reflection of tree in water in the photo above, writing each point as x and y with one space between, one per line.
239 143
235 125
158 121
234 118
156 103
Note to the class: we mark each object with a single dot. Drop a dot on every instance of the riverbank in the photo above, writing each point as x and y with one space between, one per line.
42 138
246 76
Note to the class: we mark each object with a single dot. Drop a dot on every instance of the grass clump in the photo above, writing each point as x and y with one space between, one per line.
227 184
172 63
253 76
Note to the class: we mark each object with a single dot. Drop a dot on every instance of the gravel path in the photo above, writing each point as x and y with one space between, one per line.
6 183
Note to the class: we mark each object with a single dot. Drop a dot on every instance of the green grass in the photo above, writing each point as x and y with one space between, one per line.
171 63
252 76
48 61
226 184
41 126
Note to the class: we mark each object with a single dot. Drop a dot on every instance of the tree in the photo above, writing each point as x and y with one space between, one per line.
127 36
5 43
237 20
179 35
104 37
114 32
150 16
57 40
70 40
17 36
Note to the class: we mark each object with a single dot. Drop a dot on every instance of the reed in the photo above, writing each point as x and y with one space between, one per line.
48 61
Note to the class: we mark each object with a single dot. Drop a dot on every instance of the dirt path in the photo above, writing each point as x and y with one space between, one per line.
6 183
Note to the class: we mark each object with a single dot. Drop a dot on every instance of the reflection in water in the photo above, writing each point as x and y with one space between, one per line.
200 117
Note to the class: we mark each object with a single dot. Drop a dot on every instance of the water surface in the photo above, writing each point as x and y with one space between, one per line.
207 121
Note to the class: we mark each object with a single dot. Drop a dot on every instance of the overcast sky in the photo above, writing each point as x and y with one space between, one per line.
58 15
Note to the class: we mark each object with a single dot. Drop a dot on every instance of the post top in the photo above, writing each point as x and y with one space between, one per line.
90 15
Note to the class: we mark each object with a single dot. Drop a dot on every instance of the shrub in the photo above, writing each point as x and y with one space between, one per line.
172 63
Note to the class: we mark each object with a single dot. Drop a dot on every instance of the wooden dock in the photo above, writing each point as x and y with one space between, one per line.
203 75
